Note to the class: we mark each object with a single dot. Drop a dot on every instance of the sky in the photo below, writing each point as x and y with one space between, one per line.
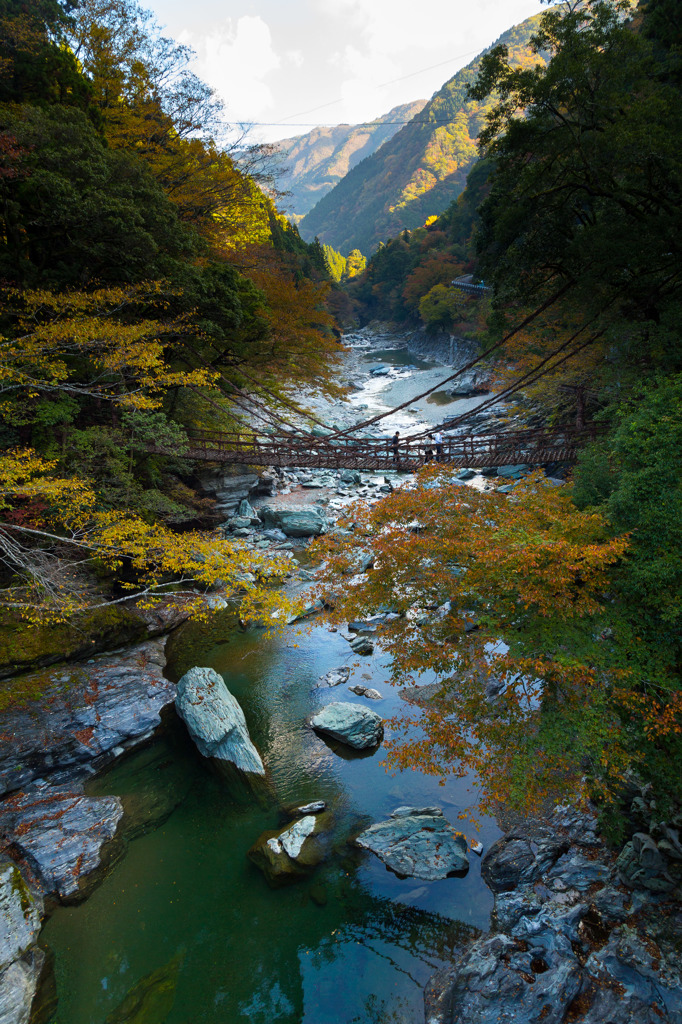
293 64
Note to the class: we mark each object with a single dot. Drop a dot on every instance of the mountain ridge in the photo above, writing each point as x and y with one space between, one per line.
313 163
421 169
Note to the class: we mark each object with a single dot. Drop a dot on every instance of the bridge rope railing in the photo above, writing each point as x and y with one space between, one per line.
535 447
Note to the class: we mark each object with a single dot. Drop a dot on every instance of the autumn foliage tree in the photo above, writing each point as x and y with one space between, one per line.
496 595
127 231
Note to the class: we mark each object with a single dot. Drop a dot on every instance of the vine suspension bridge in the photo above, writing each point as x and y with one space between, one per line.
532 447
295 447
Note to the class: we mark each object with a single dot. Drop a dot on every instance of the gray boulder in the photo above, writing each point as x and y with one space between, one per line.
215 720
350 476
362 645
353 724
335 677
521 857
417 845
87 712
61 836
295 520
238 523
365 691
467 386
514 472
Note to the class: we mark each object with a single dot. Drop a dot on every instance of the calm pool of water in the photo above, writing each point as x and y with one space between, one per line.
185 930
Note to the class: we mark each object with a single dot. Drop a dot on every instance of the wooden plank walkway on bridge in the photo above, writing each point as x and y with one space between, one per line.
476 451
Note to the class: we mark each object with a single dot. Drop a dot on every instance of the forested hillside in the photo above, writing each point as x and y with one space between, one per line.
572 217
145 280
312 164
421 170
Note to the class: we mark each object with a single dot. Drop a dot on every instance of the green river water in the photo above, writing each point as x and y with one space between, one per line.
187 928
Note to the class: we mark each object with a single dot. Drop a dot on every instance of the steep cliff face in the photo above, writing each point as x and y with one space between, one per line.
420 170
315 162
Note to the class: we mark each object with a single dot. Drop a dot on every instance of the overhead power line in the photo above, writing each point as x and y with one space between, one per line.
381 85
343 124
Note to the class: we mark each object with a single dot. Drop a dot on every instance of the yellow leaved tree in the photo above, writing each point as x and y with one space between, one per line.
64 549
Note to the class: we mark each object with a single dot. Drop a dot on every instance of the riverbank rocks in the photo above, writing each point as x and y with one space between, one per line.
361 645
417 842
215 721
352 724
294 520
18 986
335 677
83 714
572 945
20 913
293 852
365 691
60 836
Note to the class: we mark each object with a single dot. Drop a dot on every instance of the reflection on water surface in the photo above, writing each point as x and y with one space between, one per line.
185 929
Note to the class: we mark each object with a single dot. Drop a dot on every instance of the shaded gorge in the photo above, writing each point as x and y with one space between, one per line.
185 929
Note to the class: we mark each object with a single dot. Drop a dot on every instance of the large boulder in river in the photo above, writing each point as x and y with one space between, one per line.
417 842
295 520
294 851
215 720
354 724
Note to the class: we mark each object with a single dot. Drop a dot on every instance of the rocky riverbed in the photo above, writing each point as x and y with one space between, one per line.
579 931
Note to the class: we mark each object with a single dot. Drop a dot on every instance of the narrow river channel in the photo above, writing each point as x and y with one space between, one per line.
188 925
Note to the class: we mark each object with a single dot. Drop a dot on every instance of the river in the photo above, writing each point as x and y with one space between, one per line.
185 930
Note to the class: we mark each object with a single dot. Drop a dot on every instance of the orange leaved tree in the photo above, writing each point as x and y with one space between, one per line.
505 599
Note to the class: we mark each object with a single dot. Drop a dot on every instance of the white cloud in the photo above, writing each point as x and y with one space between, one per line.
393 39
332 60
236 59
396 26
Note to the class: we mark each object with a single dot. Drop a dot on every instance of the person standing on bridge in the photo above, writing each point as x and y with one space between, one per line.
395 441
438 441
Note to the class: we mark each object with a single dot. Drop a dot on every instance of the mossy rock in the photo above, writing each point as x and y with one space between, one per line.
152 998
293 852
28 645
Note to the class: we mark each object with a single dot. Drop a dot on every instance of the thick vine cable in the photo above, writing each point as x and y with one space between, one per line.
525 380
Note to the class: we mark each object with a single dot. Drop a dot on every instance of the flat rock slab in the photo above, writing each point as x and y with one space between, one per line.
82 712
353 724
60 835
417 845
215 720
